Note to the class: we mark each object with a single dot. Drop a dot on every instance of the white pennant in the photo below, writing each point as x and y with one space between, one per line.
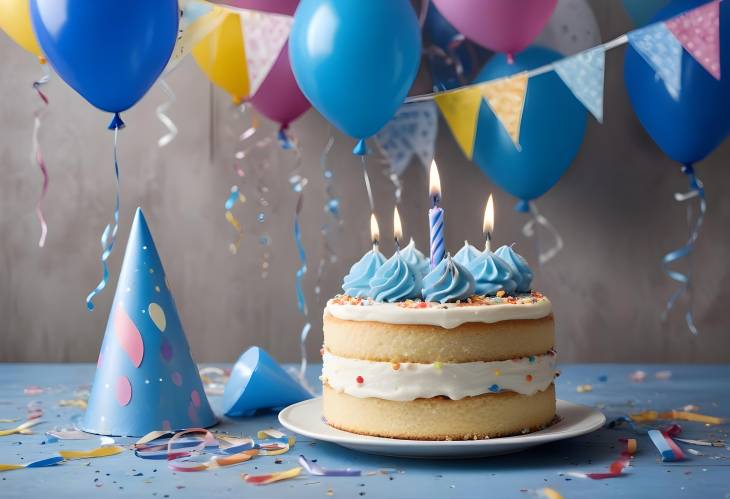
264 35
583 75
412 131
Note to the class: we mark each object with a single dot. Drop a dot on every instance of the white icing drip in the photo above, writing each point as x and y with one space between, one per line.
448 315
454 380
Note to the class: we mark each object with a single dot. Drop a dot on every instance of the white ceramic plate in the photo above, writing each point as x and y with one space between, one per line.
305 418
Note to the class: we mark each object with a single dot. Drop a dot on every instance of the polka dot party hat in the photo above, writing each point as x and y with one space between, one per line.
145 377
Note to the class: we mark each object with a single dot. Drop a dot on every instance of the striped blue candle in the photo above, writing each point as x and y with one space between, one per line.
436 224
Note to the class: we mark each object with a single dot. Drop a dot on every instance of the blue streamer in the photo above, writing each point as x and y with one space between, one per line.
331 208
697 190
109 236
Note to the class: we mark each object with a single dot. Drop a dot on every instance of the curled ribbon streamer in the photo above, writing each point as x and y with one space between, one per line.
233 198
331 208
106 451
109 236
36 153
161 111
697 190
243 152
42 463
529 230
23 428
316 470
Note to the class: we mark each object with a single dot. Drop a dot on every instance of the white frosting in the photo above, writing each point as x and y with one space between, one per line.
448 315
454 380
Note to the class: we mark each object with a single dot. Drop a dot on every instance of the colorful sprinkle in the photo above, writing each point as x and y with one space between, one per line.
494 388
395 366
497 372
437 365
528 378
360 380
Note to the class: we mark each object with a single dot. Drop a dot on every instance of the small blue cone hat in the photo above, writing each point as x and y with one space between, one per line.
145 378
258 382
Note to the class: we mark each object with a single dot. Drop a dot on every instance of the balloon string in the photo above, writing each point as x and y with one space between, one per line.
331 208
163 117
450 58
109 236
366 177
530 230
423 13
233 198
298 183
37 154
697 190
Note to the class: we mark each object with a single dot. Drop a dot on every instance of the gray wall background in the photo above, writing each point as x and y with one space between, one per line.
614 209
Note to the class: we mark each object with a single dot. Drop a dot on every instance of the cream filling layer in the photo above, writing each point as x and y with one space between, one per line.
448 315
408 380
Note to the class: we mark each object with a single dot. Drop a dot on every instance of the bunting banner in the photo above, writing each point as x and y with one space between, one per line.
264 35
583 75
411 132
460 110
197 20
699 33
661 50
506 99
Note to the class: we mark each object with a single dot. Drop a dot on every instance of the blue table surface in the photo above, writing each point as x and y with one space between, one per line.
516 475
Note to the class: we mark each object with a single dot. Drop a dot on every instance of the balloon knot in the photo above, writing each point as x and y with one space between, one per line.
510 58
523 206
284 141
361 148
116 122
688 169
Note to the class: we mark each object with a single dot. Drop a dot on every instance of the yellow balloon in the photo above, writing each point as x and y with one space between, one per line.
15 21
222 57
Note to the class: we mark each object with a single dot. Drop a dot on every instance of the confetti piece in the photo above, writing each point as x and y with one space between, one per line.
617 467
91 453
663 375
317 470
695 452
584 388
691 408
549 493
23 428
32 390
637 376
706 443
78 403
42 463
271 477
648 416
662 444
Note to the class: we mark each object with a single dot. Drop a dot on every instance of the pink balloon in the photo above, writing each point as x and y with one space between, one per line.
501 25
279 98
276 6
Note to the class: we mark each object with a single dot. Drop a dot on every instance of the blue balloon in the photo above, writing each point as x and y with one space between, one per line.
690 128
439 32
355 60
553 124
110 52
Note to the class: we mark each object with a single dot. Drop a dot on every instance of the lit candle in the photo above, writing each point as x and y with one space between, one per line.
374 232
397 229
488 226
436 217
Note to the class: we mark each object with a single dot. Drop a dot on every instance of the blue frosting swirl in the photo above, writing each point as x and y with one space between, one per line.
466 254
395 280
449 281
492 274
415 259
520 268
357 282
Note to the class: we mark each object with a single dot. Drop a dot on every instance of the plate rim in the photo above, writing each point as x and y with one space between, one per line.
530 438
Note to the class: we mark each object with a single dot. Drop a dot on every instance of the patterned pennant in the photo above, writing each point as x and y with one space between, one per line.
583 75
264 35
661 50
460 110
506 98
699 33
197 21
411 131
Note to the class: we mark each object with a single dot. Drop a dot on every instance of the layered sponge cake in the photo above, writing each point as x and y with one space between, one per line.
480 368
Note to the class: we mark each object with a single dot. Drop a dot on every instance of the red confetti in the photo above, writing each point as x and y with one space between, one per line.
360 380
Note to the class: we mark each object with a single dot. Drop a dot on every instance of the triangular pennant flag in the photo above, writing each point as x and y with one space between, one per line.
460 109
264 35
506 98
198 19
583 75
661 50
411 131
698 30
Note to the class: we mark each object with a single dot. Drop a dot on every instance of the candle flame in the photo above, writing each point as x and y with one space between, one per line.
434 184
488 226
374 229
397 226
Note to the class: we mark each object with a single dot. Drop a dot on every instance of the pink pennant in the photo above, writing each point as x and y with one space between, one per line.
698 30
128 336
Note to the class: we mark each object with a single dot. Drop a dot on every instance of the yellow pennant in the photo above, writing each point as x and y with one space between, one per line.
460 110
506 99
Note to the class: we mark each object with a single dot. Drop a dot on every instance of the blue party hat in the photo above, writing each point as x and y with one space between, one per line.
259 382
145 378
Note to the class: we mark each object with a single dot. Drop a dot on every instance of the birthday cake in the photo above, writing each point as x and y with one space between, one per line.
458 349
